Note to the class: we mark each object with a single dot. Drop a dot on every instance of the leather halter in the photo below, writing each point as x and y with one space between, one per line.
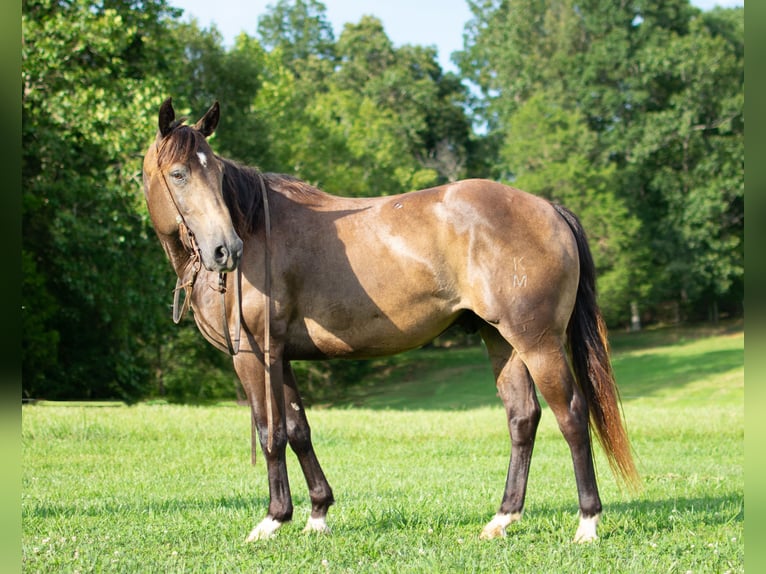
186 282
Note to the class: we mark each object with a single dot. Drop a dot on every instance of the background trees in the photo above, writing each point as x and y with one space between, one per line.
638 108
89 293
630 114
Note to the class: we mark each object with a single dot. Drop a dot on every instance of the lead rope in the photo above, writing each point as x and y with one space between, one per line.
232 346
267 319
266 341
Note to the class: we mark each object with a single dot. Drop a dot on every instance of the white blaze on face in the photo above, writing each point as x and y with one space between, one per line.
202 158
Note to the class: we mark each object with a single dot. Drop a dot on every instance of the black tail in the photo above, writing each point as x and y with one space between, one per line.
589 351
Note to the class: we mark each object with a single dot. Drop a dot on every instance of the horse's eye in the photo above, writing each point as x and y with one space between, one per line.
178 175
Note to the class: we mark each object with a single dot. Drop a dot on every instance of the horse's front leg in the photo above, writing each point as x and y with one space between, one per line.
250 368
299 437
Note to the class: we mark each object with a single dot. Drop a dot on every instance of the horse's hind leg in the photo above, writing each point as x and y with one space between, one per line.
549 368
516 389
299 436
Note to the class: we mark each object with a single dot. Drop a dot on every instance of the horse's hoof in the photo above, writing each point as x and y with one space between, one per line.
586 531
491 531
496 527
265 530
317 525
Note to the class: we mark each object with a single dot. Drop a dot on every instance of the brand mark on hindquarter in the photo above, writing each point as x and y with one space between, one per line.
519 277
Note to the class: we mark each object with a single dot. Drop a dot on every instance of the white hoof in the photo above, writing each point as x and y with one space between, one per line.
317 525
265 529
496 527
586 531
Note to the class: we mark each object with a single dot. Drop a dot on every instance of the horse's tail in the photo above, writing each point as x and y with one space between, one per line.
589 350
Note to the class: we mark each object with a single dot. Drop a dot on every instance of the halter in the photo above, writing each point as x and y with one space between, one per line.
186 283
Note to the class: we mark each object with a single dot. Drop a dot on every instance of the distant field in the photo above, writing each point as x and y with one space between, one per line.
417 459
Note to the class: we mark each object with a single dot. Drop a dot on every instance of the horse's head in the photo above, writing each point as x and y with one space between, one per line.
183 187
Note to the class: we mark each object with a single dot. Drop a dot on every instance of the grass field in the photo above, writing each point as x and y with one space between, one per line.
418 464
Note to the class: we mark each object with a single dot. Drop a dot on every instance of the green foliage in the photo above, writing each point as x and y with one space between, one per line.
631 115
384 121
642 100
690 155
299 29
194 372
89 74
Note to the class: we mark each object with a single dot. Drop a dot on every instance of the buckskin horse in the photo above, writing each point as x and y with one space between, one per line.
276 270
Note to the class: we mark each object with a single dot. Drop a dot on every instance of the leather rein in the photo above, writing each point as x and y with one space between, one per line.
186 284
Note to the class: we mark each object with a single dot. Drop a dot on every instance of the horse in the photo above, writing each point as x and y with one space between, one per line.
317 276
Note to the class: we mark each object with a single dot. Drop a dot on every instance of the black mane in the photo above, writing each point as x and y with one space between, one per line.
243 188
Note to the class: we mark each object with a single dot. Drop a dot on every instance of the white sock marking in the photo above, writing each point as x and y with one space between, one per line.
496 527
316 525
586 531
265 529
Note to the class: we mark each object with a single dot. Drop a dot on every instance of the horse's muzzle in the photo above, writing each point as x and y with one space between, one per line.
227 257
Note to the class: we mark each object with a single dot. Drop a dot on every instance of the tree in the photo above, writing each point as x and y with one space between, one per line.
429 106
91 286
688 155
658 86
298 30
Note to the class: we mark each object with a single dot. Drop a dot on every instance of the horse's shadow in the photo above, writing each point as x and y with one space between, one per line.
620 518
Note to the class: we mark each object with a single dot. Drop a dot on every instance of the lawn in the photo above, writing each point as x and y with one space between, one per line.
417 461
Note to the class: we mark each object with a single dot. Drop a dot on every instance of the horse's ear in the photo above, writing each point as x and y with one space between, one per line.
167 116
207 124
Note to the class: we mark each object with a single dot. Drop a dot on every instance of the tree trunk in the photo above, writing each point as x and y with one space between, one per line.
635 317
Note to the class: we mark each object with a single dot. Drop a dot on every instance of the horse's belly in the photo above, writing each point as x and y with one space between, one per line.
347 332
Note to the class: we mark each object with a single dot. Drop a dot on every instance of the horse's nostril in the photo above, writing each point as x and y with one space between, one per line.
221 254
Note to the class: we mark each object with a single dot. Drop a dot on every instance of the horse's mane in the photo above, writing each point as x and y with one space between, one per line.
243 193
242 185
243 188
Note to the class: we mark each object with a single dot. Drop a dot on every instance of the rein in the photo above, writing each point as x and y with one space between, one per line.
186 284
267 316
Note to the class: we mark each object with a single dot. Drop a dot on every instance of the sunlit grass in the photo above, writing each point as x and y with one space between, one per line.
170 488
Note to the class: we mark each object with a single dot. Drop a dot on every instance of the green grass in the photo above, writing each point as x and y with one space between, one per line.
417 462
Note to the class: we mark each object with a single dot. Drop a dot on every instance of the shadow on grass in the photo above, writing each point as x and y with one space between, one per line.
653 373
167 506
629 517
657 516
435 379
